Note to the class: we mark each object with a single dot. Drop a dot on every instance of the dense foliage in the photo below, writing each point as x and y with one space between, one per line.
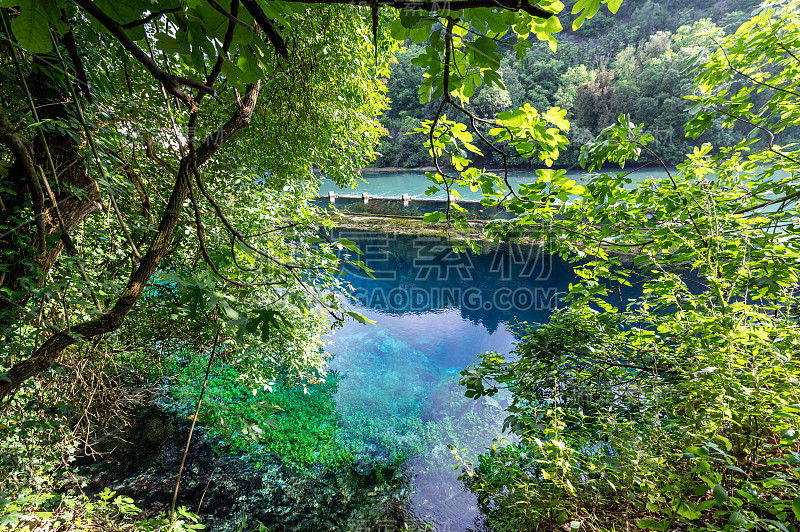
678 408
140 225
152 235
637 62
157 158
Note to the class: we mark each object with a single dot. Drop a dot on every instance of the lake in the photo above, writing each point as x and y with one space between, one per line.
393 184
435 312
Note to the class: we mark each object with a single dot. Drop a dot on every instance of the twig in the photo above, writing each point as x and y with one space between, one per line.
96 154
191 429
743 74
210 477
150 17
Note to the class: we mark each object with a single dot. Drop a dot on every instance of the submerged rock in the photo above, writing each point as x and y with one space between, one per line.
234 492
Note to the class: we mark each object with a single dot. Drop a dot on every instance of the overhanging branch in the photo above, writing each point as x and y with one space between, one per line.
434 5
170 83
266 24
49 351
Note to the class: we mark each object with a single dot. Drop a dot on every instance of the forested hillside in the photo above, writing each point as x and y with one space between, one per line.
638 62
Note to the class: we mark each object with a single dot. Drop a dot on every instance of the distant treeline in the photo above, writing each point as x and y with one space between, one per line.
638 61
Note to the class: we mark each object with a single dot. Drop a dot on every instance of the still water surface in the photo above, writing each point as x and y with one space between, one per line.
413 182
435 312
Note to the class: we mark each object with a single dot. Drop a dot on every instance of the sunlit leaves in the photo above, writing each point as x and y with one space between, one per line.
715 249
755 69
546 30
474 58
451 138
618 144
530 132
589 8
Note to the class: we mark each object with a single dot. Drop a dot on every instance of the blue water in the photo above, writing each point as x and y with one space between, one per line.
413 182
435 312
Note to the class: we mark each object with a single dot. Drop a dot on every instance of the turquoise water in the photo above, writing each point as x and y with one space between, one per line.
435 312
413 182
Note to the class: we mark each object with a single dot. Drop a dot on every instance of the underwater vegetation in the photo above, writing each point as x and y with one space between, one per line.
299 424
383 399
397 401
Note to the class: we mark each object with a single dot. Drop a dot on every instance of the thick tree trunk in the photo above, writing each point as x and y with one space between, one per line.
24 179
44 356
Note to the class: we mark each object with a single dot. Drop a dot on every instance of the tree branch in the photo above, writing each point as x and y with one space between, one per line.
80 72
151 153
170 83
151 16
266 24
49 351
226 44
751 78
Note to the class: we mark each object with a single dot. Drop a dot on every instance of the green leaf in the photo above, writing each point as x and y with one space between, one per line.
399 31
689 511
350 245
737 518
361 264
432 217
735 468
11 518
652 524
796 507
32 26
267 320
248 64
167 43
226 307
360 318
557 117
705 505
232 72
720 494
122 12
613 5
421 34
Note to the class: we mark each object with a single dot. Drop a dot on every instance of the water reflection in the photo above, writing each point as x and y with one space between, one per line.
435 312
